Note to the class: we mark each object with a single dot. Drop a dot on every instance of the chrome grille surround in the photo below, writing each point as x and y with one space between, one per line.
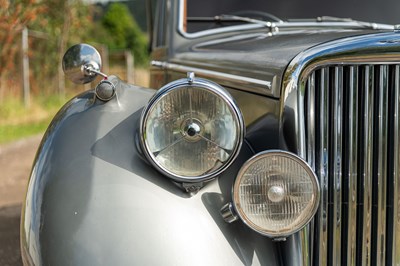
344 98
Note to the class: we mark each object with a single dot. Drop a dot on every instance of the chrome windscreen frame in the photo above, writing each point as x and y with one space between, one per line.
190 81
373 49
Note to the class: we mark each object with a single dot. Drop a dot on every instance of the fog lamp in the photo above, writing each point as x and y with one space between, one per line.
191 129
276 193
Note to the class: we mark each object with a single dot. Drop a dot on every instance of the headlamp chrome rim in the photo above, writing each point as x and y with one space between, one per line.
246 220
199 83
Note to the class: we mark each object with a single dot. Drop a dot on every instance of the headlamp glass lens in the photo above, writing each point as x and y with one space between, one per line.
276 193
191 131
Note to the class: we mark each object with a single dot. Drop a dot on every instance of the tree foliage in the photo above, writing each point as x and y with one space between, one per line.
124 33
59 24
65 23
15 15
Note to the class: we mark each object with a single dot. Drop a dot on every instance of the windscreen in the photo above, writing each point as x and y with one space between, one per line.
384 11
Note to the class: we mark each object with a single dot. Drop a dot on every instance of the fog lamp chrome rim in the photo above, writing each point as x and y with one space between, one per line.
273 188
192 129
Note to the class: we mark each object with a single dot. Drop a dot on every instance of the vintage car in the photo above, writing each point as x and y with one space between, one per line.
262 141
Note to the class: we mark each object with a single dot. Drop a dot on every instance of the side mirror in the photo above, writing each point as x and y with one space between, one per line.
81 63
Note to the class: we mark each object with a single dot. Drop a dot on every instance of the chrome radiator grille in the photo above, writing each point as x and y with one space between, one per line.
352 120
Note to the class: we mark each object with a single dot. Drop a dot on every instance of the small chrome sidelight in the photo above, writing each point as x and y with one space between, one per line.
191 130
105 90
275 193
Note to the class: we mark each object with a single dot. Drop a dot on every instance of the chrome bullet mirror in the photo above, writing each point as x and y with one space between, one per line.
81 63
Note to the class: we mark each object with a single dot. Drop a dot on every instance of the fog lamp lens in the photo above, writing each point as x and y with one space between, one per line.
276 193
191 130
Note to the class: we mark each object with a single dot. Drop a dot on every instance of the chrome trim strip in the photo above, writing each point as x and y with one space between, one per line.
396 172
382 166
337 103
245 83
300 123
305 243
353 165
310 121
359 50
367 169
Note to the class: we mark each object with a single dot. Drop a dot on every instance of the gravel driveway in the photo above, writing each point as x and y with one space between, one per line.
15 163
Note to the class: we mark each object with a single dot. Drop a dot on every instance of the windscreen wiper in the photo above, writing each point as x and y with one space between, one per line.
333 19
336 19
233 18
328 19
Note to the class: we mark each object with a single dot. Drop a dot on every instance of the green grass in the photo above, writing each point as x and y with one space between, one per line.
10 133
17 122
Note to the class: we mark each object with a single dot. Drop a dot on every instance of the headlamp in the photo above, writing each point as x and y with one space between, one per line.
276 193
191 129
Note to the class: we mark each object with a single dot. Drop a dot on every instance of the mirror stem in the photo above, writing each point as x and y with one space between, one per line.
90 71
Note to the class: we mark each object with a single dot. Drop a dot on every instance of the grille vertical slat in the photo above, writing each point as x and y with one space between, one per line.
381 174
336 164
322 165
353 128
367 152
352 151
396 173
